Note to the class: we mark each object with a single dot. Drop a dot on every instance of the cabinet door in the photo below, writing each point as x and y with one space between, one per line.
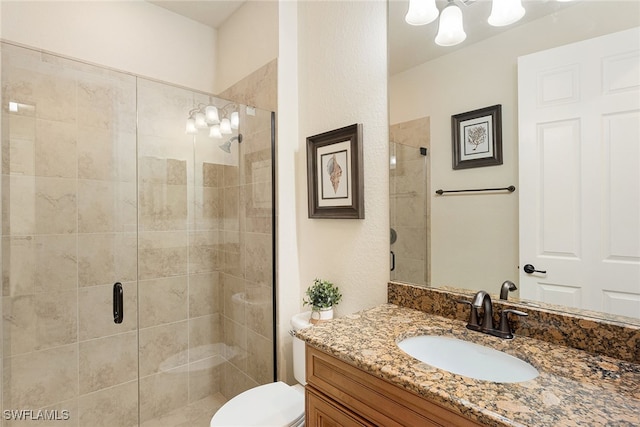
365 399
321 412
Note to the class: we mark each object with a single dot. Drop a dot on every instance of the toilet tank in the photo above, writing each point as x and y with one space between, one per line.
299 321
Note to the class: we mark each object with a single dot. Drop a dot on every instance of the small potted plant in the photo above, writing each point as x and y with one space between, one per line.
322 296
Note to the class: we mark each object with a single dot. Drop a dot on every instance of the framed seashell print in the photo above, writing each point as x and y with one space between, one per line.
334 174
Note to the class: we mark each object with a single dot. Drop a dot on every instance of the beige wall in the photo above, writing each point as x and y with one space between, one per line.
342 71
246 41
330 76
126 35
474 239
288 268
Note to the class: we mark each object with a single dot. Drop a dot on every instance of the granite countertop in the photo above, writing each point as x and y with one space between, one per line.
574 388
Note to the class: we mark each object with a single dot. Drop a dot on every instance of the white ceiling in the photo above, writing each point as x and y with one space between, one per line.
408 45
208 12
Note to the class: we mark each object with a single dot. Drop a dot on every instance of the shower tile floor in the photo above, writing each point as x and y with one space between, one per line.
197 414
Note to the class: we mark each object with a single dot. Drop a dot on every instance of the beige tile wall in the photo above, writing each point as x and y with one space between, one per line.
247 275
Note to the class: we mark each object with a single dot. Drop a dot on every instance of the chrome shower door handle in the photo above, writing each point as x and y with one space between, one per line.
118 303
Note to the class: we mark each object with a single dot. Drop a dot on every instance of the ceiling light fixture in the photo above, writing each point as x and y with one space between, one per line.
451 27
218 121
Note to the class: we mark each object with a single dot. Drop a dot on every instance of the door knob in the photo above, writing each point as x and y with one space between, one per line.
528 268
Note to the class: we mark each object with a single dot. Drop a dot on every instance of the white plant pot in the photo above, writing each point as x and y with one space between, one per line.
319 315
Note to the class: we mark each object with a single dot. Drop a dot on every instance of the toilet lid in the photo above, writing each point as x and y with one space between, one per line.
274 404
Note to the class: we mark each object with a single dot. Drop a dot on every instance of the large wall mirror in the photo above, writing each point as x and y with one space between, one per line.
471 240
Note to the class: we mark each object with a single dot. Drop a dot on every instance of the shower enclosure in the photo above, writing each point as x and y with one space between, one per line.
409 201
109 208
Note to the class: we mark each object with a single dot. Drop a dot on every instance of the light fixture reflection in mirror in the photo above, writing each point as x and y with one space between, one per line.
505 12
451 29
421 12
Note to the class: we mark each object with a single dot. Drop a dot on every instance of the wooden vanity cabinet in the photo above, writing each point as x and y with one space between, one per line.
339 394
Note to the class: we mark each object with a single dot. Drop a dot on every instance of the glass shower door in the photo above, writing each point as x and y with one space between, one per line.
408 213
105 196
69 213
178 280
205 257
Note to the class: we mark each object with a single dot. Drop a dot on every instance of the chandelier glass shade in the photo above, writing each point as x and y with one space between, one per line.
421 12
505 12
451 29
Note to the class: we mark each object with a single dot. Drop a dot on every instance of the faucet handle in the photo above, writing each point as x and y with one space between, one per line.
505 330
517 312
473 315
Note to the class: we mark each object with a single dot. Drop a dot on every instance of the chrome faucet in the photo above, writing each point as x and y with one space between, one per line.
482 300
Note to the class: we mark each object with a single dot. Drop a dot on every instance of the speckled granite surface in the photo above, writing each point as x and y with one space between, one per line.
574 388
611 335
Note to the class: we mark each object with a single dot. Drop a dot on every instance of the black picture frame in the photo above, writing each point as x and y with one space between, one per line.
476 138
335 179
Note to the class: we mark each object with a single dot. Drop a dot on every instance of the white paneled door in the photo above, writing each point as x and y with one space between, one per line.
579 150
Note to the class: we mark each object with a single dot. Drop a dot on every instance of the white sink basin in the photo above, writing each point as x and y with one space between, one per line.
468 359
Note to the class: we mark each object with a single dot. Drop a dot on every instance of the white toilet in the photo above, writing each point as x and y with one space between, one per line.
274 404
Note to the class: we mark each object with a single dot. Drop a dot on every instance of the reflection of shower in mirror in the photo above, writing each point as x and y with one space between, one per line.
226 147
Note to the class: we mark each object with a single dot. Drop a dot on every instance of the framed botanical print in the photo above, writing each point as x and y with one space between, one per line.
477 138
